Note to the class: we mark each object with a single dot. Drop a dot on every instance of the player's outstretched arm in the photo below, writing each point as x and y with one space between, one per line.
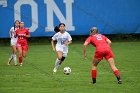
84 49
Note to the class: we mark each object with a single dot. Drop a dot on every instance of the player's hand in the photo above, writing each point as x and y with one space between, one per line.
54 49
66 43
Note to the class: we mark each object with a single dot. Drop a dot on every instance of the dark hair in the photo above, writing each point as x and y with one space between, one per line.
56 29
61 24
93 28
15 22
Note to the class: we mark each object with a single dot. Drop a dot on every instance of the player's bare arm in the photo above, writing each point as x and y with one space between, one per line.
53 48
15 35
27 36
84 49
68 42
108 41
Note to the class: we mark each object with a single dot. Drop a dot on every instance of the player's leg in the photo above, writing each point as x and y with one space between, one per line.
58 61
11 56
110 58
62 59
64 55
10 59
97 58
23 53
114 69
24 50
94 69
20 54
14 54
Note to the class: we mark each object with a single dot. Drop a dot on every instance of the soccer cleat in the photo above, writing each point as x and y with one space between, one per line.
20 64
54 70
8 63
92 82
120 82
15 63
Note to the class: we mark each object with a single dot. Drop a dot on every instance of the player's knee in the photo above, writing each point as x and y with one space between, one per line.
24 56
94 64
59 58
14 53
20 54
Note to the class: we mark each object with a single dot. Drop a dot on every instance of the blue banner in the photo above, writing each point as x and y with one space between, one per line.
41 16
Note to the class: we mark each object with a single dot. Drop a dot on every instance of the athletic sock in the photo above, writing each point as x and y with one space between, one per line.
20 60
117 74
11 57
15 57
94 73
57 63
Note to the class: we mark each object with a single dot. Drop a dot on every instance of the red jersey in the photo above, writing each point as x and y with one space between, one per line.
20 33
99 41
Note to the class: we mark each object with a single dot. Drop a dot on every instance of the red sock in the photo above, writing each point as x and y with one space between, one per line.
117 73
93 72
20 59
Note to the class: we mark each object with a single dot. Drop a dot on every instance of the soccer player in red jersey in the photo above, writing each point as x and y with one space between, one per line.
22 45
103 50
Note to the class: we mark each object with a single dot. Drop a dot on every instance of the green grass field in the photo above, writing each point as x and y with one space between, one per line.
35 76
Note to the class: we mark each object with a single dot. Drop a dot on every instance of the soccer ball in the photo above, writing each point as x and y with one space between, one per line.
67 70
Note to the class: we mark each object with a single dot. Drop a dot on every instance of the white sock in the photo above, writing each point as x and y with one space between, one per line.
11 57
57 63
15 57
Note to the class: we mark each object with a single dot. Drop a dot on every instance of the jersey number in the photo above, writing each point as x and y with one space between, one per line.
62 42
99 37
21 37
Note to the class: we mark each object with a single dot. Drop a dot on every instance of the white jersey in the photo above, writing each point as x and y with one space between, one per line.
61 39
13 39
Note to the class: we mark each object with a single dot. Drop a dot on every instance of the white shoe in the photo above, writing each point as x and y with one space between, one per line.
15 63
20 64
54 70
9 61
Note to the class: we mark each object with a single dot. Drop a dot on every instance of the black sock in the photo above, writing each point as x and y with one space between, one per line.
118 78
94 80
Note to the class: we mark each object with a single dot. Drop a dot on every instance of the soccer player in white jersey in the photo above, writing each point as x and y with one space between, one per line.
13 42
63 39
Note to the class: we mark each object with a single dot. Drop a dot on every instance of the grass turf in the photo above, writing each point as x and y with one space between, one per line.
35 76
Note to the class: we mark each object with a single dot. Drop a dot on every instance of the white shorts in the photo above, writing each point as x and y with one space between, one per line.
63 49
13 42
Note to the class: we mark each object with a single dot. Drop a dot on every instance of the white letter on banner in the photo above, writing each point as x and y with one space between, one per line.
53 8
34 13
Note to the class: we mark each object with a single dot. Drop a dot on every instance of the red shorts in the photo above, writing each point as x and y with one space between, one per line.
23 47
104 54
